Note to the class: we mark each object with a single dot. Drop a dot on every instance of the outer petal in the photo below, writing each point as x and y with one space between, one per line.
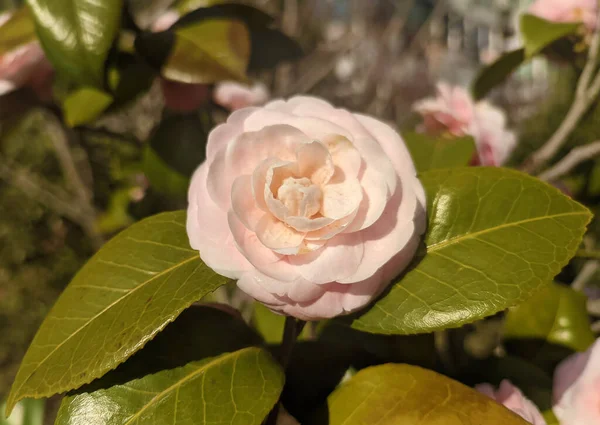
390 234
208 230
225 133
374 200
338 259
296 291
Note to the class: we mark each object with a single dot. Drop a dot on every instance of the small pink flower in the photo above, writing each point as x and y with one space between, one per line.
23 66
164 21
454 113
512 398
577 388
233 96
567 11
312 209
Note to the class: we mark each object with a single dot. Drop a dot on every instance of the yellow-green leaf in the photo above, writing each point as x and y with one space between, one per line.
539 33
235 388
17 31
85 105
495 236
128 292
396 394
430 153
556 314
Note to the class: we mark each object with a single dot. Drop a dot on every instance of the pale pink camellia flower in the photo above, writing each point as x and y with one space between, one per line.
453 113
567 11
23 66
312 209
512 398
576 389
232 95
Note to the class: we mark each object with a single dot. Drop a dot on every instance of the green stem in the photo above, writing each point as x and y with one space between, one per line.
293 328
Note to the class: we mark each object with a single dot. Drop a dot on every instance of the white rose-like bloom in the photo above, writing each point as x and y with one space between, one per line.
312 209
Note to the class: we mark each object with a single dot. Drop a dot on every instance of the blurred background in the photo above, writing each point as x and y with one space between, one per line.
64 191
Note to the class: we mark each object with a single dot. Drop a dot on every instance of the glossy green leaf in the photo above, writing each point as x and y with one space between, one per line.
130 290
395 394
430 153
556 314
202 53
495 236
498 71
26 412
85 105
17 31
235 388
539 33
77 35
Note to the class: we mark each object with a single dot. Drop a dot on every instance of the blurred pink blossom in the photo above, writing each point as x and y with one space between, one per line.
233 96
512 398
453 113
23 66
567 11
577 388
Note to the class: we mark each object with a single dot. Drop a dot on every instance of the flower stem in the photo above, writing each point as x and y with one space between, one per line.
293 328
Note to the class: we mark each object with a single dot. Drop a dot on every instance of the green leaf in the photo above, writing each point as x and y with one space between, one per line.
130 290
498 71
234 388
201 53
495 236
409 395
556 314
85 105
430 153
129 77
539 33
27 412
550 417
77 35
17 31
162 177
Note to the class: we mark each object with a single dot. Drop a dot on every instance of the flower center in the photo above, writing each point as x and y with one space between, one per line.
300 196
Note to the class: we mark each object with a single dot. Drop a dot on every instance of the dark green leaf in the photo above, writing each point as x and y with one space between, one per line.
408 395
85 105
129 78
430 153
270 47
556 314
77 35
539 33
130 290
495 73
198 333
315 369
495 237
235 388
17 31
163 178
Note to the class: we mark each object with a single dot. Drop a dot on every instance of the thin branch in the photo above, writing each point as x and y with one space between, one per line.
588 271
588 253
593 307
44 193
585 95
573 159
